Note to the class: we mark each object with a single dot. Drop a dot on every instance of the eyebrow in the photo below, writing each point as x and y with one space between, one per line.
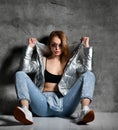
56 43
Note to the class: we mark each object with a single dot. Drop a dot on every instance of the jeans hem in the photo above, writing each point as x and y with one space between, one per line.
29 101
91 99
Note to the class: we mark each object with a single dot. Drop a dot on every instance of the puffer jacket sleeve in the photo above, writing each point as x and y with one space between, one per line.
29 64
87 60
84 60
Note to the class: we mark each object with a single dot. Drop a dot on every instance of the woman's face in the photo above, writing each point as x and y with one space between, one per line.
56 46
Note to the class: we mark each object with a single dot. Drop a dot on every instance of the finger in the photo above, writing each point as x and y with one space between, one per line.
34 39
29 40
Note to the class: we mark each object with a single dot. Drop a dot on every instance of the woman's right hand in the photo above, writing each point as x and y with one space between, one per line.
32 42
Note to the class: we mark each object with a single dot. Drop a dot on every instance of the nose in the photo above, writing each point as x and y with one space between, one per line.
57 47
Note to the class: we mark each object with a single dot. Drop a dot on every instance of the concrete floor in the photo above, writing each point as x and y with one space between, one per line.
103 121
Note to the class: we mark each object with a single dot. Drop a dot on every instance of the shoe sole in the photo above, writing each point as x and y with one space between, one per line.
20 116
89 117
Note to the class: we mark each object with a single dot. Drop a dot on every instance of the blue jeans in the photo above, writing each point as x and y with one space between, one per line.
26 89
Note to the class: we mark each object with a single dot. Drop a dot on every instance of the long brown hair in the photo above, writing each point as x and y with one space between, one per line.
64 41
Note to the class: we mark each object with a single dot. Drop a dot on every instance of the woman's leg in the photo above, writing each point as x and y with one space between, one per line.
88 88
28 93
82 91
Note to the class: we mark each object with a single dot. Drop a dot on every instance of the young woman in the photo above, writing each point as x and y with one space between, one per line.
61 80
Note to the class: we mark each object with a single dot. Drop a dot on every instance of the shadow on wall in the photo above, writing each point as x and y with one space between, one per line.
8 67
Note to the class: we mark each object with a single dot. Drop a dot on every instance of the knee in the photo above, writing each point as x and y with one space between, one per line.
90 75
20 73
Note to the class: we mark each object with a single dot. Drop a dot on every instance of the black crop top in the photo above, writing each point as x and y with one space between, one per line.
51 77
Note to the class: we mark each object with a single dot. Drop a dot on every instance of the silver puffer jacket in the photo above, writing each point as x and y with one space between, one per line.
80 62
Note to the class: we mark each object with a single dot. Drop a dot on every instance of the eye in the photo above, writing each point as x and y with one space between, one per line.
53 45
60 45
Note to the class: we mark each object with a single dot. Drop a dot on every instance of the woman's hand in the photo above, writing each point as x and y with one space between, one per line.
85 41
32 42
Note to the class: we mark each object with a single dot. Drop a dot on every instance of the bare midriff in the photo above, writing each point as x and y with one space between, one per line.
50 87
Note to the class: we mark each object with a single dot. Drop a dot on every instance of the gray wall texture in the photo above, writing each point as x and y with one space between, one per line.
97 19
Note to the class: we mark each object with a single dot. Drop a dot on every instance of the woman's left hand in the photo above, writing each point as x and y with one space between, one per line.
85 41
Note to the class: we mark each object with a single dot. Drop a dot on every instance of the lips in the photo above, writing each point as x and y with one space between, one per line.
57 52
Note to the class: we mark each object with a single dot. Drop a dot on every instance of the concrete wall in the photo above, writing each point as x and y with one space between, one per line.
97 19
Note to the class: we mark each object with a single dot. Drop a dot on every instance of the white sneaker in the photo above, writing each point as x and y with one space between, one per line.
23 115
85 116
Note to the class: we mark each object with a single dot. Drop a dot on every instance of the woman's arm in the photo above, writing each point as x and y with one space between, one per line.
87 61
30 65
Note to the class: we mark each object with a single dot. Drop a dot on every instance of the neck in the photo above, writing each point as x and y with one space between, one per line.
55 57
